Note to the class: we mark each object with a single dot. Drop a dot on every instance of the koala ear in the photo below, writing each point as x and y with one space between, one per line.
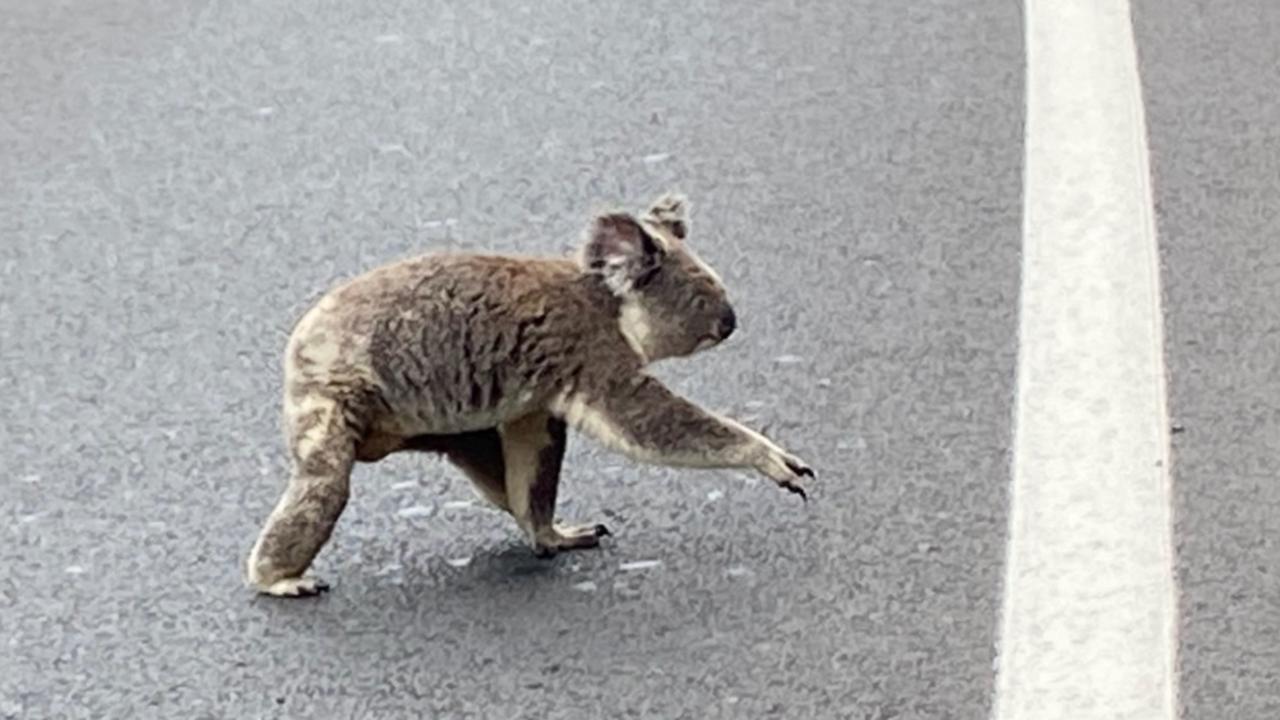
619 250
670 212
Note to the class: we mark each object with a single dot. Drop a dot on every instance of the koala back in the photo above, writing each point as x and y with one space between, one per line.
454 342
458 342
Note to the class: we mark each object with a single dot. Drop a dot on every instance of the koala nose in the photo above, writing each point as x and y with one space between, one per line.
728 321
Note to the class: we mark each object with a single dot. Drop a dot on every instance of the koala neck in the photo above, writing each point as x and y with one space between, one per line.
633 321
627 311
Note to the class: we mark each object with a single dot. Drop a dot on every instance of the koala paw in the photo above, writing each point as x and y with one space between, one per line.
568 537
295 587
800 470
786 470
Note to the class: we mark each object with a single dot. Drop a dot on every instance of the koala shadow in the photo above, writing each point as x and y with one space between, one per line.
504 597
504 570
508 611
498 564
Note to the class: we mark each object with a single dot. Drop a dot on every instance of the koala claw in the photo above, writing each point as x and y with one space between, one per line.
786 469
799 469
793 487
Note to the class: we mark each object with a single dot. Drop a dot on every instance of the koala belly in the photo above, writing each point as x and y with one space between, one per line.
390 419
440 411
445 385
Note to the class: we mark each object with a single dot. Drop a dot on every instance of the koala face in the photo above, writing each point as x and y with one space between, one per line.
673 304
683 306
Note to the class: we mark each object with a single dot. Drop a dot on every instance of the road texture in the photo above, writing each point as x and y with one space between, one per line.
179 180
1213 109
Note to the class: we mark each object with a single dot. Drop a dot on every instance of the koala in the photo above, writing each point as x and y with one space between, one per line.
488 360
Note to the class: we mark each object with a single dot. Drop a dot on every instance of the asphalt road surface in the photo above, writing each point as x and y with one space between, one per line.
1213 104
179 180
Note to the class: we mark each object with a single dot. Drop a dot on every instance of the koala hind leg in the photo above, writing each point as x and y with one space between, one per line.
533 451
323 446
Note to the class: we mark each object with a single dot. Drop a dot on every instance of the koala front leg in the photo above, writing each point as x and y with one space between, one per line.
533 450
641 417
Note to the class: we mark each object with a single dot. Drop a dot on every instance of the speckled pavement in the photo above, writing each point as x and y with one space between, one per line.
179 180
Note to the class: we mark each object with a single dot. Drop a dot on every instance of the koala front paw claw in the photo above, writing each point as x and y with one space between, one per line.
786 470
798 469
797 489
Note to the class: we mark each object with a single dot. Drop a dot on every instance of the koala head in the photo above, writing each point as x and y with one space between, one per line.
673 304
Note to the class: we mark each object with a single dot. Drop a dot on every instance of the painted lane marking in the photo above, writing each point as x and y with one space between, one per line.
1090 610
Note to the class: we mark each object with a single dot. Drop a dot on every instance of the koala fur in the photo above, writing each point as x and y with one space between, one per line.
488 360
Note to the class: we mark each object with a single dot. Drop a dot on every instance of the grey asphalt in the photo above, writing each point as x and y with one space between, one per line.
178 180
1213 110
181 179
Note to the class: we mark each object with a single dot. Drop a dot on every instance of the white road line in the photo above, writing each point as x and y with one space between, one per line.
1088 629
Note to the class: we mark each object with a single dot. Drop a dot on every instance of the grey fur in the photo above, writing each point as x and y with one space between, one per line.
487 359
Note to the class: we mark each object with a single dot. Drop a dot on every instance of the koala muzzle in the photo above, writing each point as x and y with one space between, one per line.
728 322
